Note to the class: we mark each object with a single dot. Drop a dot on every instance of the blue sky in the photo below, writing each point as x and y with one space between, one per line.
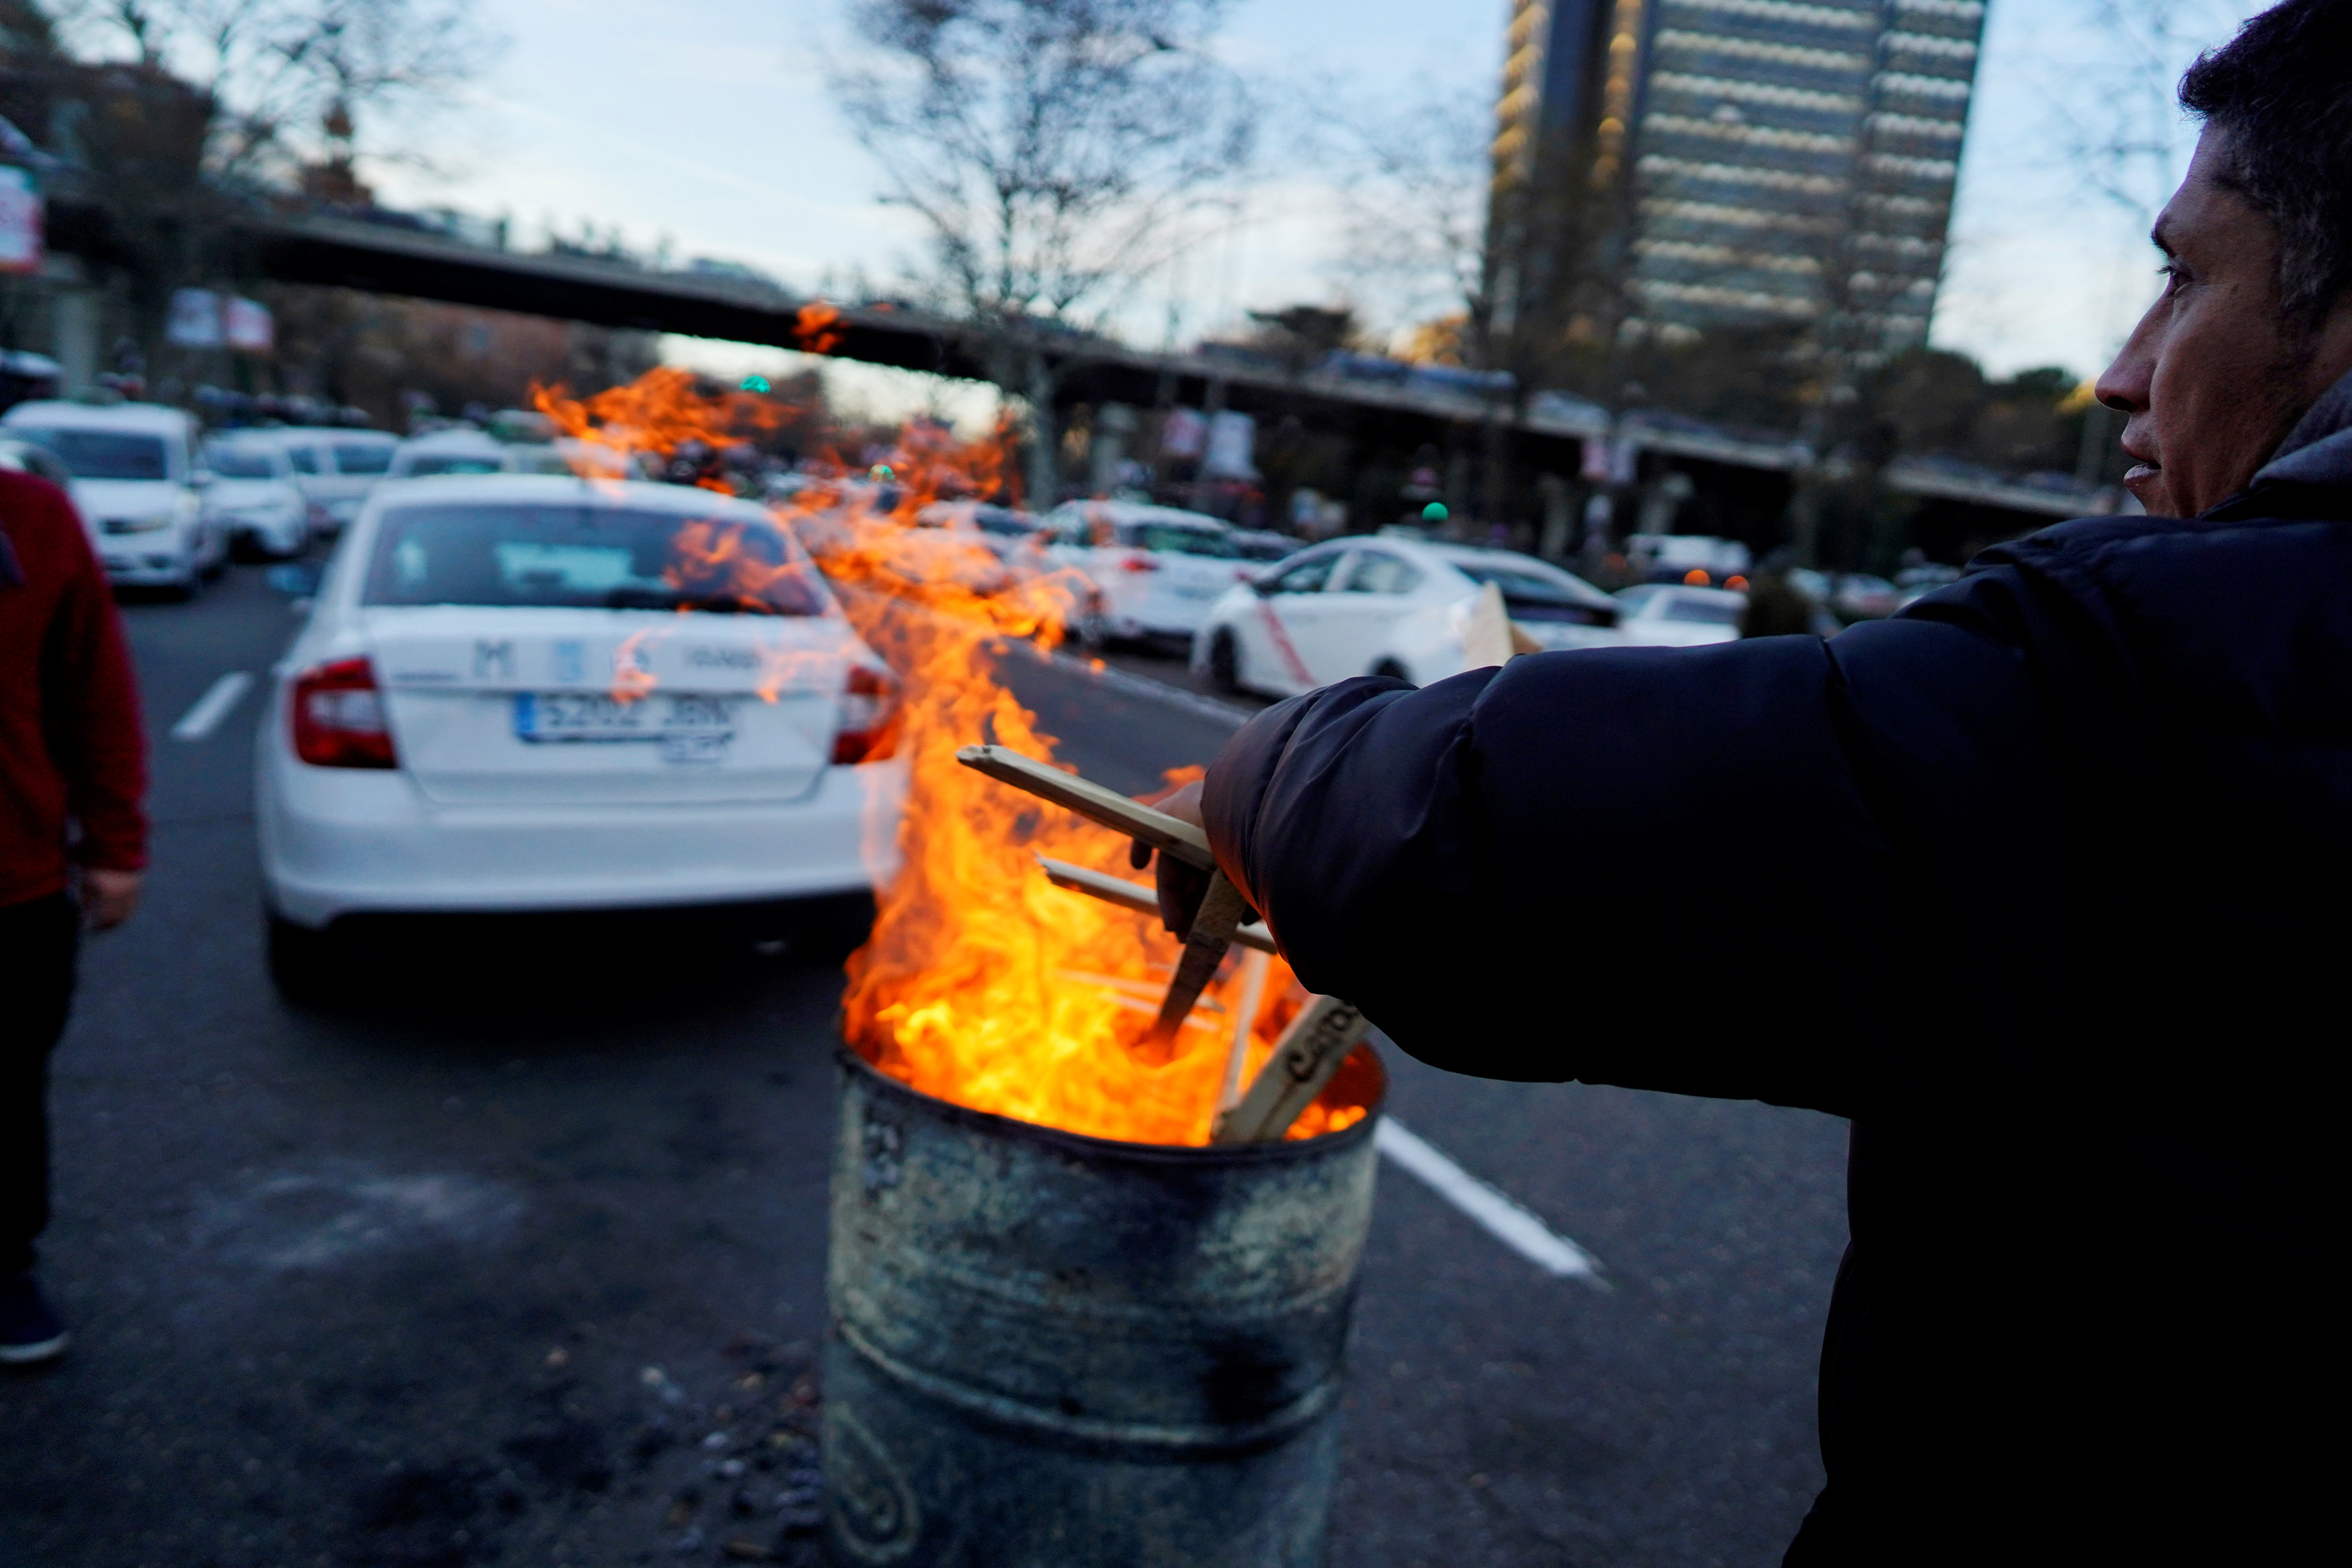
709 122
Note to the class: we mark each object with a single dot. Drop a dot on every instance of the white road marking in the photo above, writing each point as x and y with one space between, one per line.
212 707
1511 1225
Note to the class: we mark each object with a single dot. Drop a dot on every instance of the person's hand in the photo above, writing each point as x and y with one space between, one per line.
1184 805
1181 887
108 897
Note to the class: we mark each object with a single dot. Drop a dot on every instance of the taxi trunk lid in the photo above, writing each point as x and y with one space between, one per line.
564 706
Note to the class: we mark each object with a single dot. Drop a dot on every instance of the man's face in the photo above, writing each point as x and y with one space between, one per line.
2211 378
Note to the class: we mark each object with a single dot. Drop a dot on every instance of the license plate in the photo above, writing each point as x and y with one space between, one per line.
687 726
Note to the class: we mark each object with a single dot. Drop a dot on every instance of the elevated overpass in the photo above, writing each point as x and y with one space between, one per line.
1745 478
380 258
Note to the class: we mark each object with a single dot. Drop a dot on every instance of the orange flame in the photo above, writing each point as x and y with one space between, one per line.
817 328
982 983
658 413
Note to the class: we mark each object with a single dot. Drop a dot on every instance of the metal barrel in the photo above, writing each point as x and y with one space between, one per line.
1053 1351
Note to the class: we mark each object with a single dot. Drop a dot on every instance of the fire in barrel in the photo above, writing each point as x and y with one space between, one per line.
1091 1266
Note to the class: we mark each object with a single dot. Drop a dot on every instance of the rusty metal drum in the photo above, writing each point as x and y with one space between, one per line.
1053 1351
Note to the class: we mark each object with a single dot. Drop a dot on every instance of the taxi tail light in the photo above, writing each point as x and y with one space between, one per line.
340 719
1139 563
869 718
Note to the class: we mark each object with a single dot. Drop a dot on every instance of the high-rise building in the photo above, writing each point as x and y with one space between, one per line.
1763 160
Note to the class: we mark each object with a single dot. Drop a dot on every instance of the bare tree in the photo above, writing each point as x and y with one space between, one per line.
1519 250
1414 188
289 80
1055 149
169 118
2116 119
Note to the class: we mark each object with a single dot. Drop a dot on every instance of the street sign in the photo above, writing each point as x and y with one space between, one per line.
246 326
196 318
20 221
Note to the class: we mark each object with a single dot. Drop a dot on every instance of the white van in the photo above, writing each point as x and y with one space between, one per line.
336 468
136 485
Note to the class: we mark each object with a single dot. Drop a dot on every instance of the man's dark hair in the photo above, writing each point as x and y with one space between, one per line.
2283 90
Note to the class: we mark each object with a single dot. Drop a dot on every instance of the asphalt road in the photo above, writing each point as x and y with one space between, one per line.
519 1257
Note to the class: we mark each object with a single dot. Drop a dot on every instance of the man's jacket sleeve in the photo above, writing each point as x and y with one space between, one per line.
1667 869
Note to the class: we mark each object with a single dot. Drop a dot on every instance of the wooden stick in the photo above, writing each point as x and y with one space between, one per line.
1253 967
1304 1059
1171 835
1136 896
1214 925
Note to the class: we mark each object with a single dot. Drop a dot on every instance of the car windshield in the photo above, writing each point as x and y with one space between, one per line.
1176 538
1377 572
1523 587
998 520
362 456
240 463
430 463
1713 611
104 453
606 557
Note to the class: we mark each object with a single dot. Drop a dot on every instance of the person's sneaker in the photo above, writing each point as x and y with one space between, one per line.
29 1329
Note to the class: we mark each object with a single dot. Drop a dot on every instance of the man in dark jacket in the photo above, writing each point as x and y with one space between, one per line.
2069 841
73 841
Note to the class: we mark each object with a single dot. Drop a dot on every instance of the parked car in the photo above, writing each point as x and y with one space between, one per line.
1860 596
1655 615
1698 559
450 452
1156 569
336 468
253 494
569 455
1386 606
136 483
526 692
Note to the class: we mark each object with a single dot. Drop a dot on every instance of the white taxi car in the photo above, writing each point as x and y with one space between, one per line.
1155 570
138 485
336 468
531 693
1669 615
253 495
1387 607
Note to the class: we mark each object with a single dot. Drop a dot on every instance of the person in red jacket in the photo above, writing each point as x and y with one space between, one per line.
73 843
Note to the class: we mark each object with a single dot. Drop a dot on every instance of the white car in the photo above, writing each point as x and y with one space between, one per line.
1156 569
136 485
1667 615
445 452
254 497
533 692
336 468
1387 607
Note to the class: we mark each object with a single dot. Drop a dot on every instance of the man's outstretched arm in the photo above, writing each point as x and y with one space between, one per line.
1666 869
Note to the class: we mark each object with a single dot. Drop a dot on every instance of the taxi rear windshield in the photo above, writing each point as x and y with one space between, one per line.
1176 538
589 557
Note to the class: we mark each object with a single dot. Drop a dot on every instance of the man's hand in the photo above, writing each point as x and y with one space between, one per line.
1180 886
108 897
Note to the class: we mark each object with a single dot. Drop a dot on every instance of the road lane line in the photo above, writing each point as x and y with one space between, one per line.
212 707
1511 1224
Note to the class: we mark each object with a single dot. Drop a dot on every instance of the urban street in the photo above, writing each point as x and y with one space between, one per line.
516 1253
